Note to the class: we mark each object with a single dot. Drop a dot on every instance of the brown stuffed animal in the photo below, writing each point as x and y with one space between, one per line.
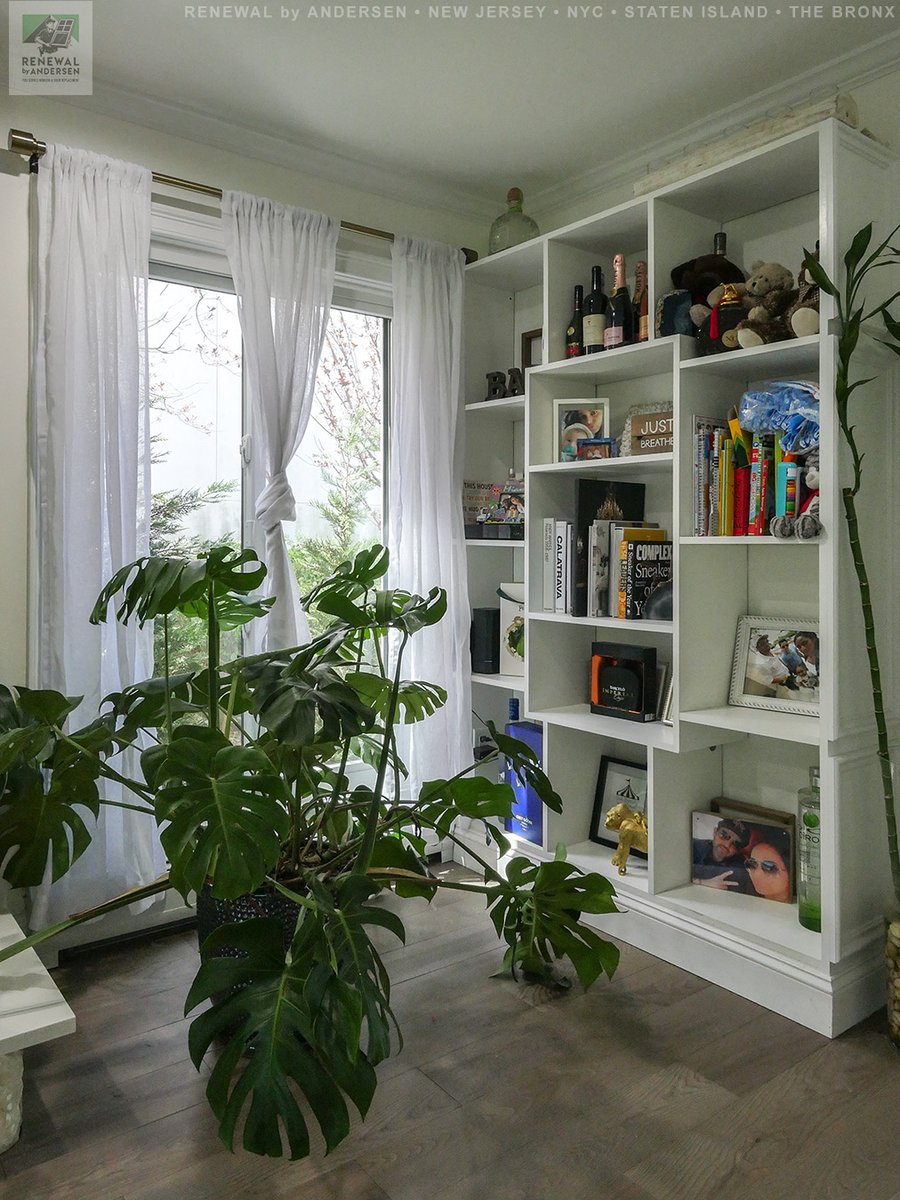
771 288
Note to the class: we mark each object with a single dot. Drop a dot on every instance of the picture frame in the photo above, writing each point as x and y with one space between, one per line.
757 860
618 781
532 348
592 424
776 665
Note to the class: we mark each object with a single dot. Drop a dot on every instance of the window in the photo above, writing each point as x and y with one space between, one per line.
198 421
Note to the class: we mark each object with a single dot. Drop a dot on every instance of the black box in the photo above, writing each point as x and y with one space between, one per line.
484 641
623 681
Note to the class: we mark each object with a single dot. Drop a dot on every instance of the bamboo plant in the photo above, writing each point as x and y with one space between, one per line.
853 312
243 766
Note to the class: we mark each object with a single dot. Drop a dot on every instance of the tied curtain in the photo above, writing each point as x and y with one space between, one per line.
90 403
283 264
426 526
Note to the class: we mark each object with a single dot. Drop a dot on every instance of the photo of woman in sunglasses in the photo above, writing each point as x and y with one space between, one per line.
759 859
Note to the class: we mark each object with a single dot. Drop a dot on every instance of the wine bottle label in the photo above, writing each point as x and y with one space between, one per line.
613 335
594 327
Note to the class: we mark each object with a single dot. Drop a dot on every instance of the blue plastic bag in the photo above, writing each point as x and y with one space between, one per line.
787 406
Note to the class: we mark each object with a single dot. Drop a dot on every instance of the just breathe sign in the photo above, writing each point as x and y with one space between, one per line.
652 433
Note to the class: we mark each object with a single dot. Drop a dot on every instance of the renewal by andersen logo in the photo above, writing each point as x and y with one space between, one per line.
50 32
50 53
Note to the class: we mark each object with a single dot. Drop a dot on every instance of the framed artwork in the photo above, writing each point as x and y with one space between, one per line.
532 355
581 421
776 665
618 782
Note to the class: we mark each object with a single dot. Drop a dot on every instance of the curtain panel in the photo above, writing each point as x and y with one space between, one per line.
91 464
425 488
283 263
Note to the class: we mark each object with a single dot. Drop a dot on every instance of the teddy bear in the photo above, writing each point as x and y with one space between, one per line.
771 292
806 524
803 315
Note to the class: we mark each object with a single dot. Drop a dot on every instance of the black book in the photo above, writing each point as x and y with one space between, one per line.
598 500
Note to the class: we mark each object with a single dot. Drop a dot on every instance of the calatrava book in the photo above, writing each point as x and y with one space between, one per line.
647 565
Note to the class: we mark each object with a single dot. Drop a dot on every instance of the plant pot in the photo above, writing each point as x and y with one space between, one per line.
892 973
212 913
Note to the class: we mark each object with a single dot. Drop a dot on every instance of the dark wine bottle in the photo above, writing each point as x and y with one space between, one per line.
595 307
619 315
641 303
575 330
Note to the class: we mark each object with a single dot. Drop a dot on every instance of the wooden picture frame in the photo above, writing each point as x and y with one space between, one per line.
532 348
776 665
618 781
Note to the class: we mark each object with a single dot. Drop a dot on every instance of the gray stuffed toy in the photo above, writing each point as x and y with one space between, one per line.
806 524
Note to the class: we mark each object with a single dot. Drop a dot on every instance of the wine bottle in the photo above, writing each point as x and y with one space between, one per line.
513 226
595 307
619 315
809 891
641 302
575 330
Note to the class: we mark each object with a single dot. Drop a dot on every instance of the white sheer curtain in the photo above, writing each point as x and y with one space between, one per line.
283 262
91 466
425 490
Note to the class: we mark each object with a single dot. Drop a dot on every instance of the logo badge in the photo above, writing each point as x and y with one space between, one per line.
51 53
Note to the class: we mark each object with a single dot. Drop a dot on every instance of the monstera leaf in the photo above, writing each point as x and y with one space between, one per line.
416 700
300 706
295 1021
537 910
227 812
35 824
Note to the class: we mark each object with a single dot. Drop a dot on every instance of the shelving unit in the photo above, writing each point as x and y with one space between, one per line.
819 184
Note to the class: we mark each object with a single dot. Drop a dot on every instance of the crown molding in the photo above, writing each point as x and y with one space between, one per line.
847 71
281 150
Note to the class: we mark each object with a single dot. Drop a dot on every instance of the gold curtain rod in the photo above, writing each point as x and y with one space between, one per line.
21 142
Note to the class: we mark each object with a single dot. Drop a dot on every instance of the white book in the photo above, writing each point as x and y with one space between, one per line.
548 602
560 572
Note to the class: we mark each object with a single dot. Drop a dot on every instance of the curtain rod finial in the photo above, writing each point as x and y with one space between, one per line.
20 142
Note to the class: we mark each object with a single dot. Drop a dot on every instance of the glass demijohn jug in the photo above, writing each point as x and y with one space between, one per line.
513 226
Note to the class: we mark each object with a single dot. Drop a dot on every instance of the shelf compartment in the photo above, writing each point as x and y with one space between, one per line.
603 622
783 727
579 716
643 464
510 406
512 683
516 268
590 856
627 362
496 543
798 357
771 926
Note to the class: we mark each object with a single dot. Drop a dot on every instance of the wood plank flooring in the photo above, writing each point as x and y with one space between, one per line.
657 1086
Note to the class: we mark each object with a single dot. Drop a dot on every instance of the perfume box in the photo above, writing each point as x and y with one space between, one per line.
623 681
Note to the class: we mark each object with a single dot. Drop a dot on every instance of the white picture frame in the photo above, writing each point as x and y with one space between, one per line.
776 665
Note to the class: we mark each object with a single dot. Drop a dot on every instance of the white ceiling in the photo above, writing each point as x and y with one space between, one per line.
466 105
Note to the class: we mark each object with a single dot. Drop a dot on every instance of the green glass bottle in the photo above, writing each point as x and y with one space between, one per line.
513 226
809 891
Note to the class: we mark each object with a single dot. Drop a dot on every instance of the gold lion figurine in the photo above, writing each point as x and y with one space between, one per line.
632 827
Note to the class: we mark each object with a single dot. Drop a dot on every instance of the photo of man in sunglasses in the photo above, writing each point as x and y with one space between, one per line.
718 860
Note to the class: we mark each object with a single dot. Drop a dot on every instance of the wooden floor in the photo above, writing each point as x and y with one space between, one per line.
655 1085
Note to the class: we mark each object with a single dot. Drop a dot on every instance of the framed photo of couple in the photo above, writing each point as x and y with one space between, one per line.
776 665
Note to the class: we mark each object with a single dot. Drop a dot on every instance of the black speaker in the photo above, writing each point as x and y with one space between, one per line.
484 640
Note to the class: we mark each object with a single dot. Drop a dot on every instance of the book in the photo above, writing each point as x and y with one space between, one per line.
704 429
560 566
629 536
648 563
548 552
741 499
617 530
598 500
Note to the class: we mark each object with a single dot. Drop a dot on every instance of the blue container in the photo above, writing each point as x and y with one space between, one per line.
527 820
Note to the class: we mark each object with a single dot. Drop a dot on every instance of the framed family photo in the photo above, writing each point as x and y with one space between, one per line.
776 665
581 430
618 782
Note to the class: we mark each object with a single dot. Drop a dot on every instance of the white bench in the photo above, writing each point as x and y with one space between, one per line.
32 1011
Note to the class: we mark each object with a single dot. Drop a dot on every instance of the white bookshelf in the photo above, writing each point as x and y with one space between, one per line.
819 184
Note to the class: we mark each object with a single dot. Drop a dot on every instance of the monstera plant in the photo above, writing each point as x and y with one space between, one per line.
243 766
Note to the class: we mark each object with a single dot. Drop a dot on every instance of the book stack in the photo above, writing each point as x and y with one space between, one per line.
734 479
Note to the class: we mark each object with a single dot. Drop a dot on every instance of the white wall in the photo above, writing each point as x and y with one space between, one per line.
55 121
